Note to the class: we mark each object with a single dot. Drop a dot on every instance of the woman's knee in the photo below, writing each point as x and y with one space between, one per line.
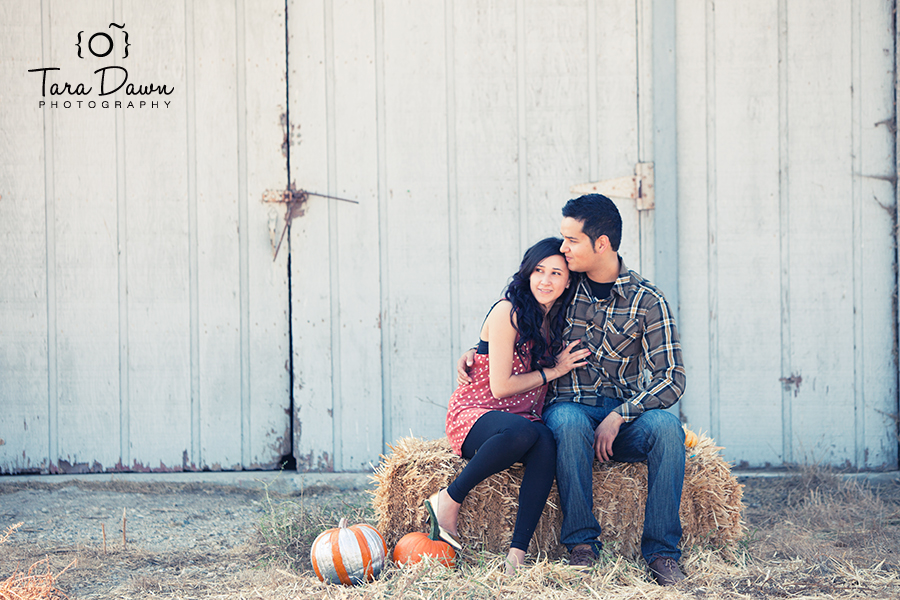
543 450
545 442
519 435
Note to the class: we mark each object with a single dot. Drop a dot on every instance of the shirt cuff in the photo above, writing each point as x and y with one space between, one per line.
630 410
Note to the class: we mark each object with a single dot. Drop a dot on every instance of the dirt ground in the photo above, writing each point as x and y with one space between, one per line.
199 541
176 536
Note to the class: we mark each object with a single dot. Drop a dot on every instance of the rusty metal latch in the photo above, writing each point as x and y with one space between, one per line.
295 206
638 187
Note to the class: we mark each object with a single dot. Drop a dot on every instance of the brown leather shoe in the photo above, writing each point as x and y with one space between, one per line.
582 555
666 572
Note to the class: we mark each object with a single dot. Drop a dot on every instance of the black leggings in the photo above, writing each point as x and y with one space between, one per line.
498 440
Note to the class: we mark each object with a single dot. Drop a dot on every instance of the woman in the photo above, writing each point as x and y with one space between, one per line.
496 420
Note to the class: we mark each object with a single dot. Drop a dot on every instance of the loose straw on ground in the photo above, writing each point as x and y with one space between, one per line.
30 585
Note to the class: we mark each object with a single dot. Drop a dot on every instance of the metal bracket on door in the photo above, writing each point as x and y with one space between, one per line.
295 206
638 187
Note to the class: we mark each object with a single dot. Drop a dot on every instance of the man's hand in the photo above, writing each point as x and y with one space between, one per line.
462 367
605 435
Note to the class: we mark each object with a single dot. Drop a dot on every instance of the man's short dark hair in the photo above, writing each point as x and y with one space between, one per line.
598 216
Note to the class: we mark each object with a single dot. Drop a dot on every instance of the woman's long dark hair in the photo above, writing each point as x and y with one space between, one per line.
528 313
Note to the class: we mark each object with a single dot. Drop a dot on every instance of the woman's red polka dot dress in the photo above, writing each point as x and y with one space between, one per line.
471 401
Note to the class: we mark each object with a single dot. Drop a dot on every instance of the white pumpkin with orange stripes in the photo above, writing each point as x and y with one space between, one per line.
348 555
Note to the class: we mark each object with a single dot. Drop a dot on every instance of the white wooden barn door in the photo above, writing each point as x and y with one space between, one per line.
459 126
143 320
787 217
146 321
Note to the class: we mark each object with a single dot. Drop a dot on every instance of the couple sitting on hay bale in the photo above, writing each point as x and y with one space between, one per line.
557 380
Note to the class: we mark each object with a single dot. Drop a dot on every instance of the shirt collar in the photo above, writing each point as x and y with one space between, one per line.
620 286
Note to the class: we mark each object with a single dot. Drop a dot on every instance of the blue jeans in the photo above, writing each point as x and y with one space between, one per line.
656 436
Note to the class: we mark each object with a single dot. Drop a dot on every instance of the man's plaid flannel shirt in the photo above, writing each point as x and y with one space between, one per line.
636 355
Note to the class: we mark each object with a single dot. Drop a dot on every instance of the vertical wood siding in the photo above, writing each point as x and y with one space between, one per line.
786 158
459 126
486 112
143 323
24 360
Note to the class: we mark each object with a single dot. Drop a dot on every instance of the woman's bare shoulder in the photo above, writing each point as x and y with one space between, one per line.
502 315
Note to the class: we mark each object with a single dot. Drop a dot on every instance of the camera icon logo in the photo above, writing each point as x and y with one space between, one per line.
101 43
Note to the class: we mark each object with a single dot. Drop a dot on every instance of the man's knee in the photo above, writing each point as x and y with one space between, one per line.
566 417
568 421
663 426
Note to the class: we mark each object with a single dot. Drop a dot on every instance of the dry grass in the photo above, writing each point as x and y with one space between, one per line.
289 527
811 534
38 582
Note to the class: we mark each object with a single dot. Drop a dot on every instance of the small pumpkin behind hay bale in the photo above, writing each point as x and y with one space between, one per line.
416 468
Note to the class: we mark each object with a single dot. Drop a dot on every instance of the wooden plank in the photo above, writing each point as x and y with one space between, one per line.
416 149
784 234
157 239
876 402
452 173
354 174
383 230
122 279
821 266
218 241
697 323
646 131
746 92
309 243
665 218
487 169
86 263
23 251
896 97
617 118
190 102
269 430
556 109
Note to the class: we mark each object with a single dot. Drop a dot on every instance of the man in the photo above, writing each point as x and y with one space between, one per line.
610 409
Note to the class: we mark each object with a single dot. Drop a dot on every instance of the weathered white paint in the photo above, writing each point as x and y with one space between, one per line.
623 54
665 151
312 321
358 420
417 213
446 126
874 142
126 342
144 322
158 301
772 145
24 417
525 99
213 81
86 264
487 173
261 105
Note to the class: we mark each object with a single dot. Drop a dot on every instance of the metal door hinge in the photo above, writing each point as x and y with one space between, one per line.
638 187
295 206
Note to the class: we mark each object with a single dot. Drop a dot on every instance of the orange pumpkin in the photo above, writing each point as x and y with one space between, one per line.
413 546
690 438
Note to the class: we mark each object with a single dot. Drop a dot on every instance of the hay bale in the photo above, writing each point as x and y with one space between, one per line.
710 503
